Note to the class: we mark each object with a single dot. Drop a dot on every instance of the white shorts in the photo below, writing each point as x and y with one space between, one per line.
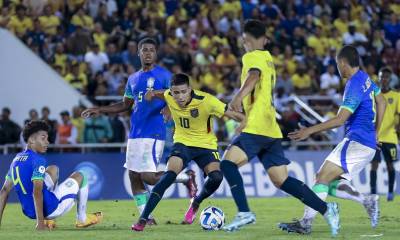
351 156
143 154
66 193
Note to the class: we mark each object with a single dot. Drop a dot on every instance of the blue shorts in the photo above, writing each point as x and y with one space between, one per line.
268 150
202 156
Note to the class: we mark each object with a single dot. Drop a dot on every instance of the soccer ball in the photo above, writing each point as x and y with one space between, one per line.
212 218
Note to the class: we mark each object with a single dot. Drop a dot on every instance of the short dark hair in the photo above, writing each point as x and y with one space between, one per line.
33 127
148 41
255 28
6 109
180 79
385 70
350 54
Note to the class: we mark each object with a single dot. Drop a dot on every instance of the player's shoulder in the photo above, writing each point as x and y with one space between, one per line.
134 76
200 95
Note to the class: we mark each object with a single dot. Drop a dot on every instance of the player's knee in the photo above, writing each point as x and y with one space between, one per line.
277 181
374 165
216 176
390 166
78 176
133 175
52 170
149 178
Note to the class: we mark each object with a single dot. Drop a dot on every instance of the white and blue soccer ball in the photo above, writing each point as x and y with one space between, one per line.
212 218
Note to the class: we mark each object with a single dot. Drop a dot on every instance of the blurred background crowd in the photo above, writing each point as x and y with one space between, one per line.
92 44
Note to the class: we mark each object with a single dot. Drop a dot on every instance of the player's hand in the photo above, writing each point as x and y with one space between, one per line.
166 114
300 134
236 104
149 95
91 112
241 127
40 226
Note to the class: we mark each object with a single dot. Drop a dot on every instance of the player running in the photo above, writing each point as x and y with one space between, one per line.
387 136
35 183
261 136
361 101
192 112
147 133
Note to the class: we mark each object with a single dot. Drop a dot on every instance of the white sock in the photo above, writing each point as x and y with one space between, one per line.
343 189
309 214
182 177
83 195
141 200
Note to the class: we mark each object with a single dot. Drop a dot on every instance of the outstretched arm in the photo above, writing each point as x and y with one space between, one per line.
38 200
335 122
5 190
237 116
152 94
118 107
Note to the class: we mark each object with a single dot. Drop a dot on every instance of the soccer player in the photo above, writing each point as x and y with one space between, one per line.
362 111
387 136
261 137
147 133
40 196
192 112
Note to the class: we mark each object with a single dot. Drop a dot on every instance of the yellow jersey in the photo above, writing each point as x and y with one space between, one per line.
258 106
194 123
387 133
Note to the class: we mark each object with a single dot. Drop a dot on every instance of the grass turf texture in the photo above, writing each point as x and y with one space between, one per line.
119 215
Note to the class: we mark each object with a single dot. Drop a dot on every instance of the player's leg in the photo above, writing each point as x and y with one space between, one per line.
390 155
139 192
75 187
209 161
373 172
177 161
242 149
51 177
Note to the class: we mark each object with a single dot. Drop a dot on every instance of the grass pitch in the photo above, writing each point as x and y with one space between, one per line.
119 215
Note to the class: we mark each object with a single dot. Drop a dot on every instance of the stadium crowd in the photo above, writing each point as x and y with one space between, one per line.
92 44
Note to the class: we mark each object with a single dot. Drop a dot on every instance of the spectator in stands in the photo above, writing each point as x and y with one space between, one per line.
100 37
284 81
329 82
130 56
392 28
168 57
96 60
4 16
60 58
36 36
20 23
226 58
33 115
356 39
185 58
342 23
97 130
52 124
49 21
9 130
298 43
301 80
114 77
77 79
78 44
113 54
98 86
66 132
82 20
78 122
118 129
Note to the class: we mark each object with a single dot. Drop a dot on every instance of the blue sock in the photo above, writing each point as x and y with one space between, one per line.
210 186
166 180
301 191
232 175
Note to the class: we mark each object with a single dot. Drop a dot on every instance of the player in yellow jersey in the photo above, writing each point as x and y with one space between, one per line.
192 112
261 137
387 136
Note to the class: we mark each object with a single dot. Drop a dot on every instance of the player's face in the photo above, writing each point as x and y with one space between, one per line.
341 65
147 54
39 141
181 94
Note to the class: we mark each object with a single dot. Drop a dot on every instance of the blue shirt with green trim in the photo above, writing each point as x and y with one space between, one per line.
146 120
26 167
359 99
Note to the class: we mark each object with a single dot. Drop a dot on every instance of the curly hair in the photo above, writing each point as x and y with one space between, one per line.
33 127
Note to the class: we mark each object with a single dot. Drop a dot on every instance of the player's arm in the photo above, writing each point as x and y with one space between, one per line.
334 122
253 76
38 200
380 111
4 192
155 94
122 106
237 116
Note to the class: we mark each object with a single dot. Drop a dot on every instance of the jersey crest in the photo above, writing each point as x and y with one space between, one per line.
194 113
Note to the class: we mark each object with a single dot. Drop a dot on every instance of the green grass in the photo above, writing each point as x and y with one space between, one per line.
119 216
